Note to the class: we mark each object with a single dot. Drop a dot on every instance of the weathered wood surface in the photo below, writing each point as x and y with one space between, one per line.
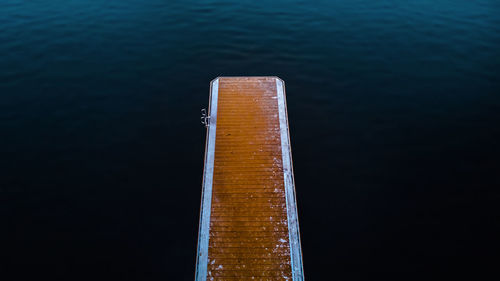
248 225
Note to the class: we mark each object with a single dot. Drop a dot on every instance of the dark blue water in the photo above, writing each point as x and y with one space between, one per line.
394 109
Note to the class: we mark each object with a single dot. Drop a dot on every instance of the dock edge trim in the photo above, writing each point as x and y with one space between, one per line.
291 204
206 201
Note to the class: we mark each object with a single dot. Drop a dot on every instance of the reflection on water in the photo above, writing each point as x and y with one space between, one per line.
394 114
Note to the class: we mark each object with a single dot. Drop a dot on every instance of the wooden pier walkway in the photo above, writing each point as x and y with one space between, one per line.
248 221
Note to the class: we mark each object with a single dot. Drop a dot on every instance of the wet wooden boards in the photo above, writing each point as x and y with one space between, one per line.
248 221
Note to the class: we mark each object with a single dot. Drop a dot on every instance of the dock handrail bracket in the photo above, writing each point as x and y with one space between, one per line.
205 119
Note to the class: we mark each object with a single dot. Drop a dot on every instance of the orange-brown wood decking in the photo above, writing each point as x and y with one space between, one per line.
248 224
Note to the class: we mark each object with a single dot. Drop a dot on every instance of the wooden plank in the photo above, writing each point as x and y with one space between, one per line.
248 222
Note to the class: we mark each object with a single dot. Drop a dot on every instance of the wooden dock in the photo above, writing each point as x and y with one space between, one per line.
248 220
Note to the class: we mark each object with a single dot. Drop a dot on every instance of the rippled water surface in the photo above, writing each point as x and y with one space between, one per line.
394 109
